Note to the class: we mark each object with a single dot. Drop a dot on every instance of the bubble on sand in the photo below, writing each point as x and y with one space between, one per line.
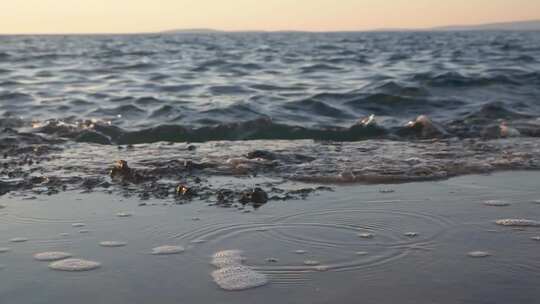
163 250
518 223
300 251
478 254
4 249
124 214
311 263
51 256
78 225
411 234
236 278
366 235
18 240
496 203
112 244
74 265
227 258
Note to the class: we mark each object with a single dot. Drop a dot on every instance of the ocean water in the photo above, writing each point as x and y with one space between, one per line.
315 107
199 87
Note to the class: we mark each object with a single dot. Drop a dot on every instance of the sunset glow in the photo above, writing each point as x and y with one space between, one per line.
129 16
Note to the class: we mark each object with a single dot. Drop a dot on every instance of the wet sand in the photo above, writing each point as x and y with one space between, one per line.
419 250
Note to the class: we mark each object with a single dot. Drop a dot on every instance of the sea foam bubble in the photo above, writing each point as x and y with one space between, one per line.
51 256
74 265
112 244
163 250
238 277
518 222
227 258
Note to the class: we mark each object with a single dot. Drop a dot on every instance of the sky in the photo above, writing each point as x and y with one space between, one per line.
133 16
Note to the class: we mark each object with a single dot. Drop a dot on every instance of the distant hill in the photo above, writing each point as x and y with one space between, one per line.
532 25
192 31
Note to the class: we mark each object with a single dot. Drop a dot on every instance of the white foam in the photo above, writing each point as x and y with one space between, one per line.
112 244
4 249
18 240
366 235
74 265
162 250
518 222
235 278
124 214
496 203
227 258
78 225
478 254
51 256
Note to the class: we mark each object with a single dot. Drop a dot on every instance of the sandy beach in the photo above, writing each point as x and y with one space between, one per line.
420 238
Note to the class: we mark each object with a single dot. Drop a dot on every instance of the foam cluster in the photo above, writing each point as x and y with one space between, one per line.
518 223
74 265
163 250
232 275
51 256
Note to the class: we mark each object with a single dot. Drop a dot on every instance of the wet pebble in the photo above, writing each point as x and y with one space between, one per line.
51 256
164 250
74 265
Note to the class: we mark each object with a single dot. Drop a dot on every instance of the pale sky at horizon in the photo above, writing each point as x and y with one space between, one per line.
131 16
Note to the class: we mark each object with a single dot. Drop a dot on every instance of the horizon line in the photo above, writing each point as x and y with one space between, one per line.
198 30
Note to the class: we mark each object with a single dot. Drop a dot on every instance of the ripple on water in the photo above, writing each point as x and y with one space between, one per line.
74 265
366 235
4 249
112 244
238 277
496 203
164 250
78 225
18 240
311 263
51 256
518 223
479 254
